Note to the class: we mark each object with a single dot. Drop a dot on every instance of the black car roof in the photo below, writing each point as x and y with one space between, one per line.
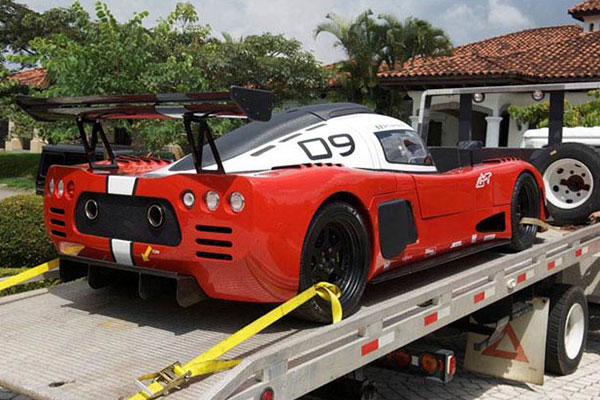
256 134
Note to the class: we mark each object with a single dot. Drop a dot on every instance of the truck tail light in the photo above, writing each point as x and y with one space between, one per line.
400 358
429 363
267 394
451 365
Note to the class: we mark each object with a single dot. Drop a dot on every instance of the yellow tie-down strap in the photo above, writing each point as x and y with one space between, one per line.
29 274
163 381
39 270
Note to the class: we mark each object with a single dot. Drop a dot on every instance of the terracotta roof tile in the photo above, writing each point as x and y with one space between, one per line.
543 53
585 8
35 77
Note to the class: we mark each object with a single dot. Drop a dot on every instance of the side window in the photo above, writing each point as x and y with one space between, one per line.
403 147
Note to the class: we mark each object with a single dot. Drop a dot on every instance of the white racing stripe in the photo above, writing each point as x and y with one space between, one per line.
121 185
121 250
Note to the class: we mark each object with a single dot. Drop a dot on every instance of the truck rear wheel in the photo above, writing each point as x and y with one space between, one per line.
336 250
567 329
525 202
571 173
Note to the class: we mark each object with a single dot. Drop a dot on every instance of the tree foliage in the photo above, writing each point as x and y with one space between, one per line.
371 42
177 54
20 25
537 115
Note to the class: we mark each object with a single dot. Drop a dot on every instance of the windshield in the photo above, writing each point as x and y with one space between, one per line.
404 147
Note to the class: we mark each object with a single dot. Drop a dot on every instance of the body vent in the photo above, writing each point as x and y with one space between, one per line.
213 229
57 222
214 247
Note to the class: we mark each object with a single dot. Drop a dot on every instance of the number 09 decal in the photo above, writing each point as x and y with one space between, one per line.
318 149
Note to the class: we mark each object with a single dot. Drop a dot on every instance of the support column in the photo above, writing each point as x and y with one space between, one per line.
36 142
13 143
465 120
557 110
492 135
414 122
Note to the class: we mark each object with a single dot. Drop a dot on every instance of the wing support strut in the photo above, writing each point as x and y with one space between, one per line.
197 145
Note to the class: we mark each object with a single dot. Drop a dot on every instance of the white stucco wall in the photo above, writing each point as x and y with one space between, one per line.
592 19
493 105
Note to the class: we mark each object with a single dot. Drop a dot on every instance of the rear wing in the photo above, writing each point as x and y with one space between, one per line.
239 102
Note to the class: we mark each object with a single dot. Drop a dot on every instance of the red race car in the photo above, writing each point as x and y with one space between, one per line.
328 192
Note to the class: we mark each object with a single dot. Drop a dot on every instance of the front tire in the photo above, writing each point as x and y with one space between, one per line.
525 202
567 329
337 250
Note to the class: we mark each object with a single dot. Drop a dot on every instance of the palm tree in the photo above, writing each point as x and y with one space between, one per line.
414 38
362 42
368 44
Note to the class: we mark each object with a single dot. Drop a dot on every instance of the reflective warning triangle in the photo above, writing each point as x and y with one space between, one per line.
517 355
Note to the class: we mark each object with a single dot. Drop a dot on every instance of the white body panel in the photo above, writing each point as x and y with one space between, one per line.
348 140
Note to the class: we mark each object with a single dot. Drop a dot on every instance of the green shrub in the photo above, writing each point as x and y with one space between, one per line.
23 238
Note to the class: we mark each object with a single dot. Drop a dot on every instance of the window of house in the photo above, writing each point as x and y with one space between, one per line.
403 147
592 27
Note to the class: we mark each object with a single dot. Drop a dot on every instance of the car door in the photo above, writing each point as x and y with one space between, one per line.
449 193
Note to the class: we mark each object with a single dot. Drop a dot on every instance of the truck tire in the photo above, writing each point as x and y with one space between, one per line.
567 329
525 202
571 173
337 250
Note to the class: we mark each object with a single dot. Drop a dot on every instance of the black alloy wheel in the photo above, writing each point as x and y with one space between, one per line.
336 250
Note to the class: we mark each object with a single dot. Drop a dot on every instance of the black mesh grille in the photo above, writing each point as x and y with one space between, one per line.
125 218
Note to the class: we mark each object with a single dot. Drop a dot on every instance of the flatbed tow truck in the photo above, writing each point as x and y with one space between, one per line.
71 342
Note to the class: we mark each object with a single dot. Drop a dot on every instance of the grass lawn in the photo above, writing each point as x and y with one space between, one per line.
4 272
18 170
21 182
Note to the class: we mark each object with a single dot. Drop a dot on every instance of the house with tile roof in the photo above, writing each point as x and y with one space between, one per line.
568 53
33 78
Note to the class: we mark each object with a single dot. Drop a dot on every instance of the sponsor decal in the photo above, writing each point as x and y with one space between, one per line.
485 178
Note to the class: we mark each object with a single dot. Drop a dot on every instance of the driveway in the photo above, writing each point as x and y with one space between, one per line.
8 192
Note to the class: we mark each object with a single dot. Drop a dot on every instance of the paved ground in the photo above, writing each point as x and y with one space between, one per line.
391 385
8 192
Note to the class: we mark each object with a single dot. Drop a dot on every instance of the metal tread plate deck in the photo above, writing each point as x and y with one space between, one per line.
72 342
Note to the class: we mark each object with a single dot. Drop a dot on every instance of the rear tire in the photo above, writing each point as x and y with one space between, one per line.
571 173
525 202
336 250
567 329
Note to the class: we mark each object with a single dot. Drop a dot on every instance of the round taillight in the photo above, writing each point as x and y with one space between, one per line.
70 189
51 186
212 200
428 363
267 394
188 199
237 202
60 188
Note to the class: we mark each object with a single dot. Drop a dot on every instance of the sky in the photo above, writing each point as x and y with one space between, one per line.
464 20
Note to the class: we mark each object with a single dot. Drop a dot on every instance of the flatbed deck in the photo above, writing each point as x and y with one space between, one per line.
73 342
